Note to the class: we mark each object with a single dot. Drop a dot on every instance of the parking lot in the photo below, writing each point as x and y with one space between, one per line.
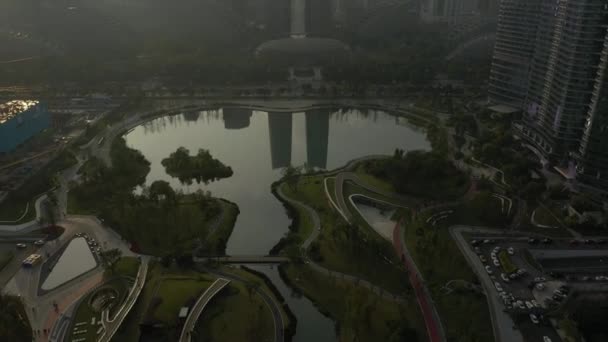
526 288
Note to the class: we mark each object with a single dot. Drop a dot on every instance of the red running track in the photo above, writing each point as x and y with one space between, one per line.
433 327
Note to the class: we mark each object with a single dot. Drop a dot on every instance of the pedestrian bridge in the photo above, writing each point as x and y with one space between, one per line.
245 259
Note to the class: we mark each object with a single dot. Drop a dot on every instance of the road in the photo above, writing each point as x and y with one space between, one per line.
199 306
501 321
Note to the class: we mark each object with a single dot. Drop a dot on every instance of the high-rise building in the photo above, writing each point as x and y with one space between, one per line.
549 61
513 51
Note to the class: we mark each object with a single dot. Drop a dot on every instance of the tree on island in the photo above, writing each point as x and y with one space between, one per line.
201 167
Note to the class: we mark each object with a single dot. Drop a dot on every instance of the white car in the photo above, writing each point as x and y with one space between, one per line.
489 270
529 305
535 303
498 287
504 277
546 339
540 286
21 245
539 279
511 251
39 243
496 262
534 319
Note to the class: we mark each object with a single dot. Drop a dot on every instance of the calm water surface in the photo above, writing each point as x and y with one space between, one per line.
257 145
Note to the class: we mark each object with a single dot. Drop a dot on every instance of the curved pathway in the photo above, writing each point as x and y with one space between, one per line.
275 308
347 277
199 306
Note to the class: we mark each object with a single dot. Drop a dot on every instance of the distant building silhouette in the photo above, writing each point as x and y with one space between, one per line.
317 138
279 127
237 118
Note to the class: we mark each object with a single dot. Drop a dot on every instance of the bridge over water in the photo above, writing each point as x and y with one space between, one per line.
245 259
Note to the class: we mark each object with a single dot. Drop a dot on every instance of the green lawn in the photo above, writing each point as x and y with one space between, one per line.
360 315
176 292
373 181
358 251
506 263
127 267
235 304
464 314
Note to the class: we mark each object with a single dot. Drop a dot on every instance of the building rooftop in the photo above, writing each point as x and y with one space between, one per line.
11 109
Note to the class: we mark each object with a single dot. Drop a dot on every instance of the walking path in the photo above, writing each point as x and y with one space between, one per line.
199 306
347 277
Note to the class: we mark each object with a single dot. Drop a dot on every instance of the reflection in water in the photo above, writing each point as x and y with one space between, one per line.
237 118
280 128
256 154
317 138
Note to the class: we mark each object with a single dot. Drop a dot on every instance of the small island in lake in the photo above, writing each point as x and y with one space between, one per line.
201 167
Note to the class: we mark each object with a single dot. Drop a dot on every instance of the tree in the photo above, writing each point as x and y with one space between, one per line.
110 257
291 173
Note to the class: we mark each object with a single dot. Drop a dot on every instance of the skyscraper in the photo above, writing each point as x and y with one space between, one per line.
513 51
549 61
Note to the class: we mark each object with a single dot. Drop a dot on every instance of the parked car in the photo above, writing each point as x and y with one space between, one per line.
529 305
511 251
600 241
574 242
539 279
532 241
21 245
39 243
535 303
475 242
547 241
505 278
539 286
483 259
496 263
489 270
534 319
546 339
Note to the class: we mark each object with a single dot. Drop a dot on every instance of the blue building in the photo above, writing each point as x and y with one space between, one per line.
19 121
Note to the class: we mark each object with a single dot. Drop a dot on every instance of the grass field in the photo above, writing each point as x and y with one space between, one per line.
5 258
544 217
176 292
236 303
127 267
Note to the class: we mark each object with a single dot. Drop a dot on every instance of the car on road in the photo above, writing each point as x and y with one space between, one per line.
547 241
21 245
511 251
534 319
489 270
546 339
39 243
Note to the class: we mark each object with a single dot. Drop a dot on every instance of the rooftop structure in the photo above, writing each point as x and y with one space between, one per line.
11 109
